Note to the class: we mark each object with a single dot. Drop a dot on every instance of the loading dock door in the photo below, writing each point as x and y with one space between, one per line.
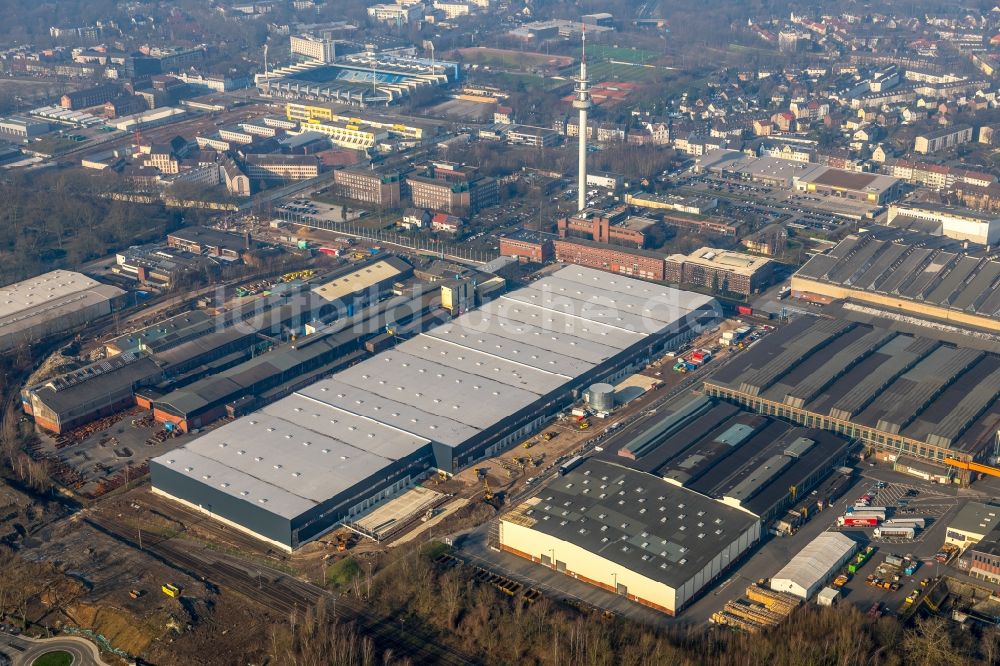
622 590
560 566
546 560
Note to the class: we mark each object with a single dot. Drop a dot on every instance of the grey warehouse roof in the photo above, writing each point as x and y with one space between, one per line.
445 385
634 519
47 297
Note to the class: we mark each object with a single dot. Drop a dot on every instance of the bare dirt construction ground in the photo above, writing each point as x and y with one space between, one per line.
88 584
102 572
464 110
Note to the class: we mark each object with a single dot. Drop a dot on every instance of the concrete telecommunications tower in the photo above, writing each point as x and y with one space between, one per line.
582 102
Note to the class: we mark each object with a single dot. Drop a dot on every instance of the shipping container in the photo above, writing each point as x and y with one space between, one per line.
569 465
847 521
880 515
917 523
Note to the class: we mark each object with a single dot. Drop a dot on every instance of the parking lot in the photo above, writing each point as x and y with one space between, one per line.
798 210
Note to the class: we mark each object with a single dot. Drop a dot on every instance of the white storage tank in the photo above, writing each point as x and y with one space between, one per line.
601 397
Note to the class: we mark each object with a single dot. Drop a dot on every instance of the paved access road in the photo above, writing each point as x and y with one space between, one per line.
23 651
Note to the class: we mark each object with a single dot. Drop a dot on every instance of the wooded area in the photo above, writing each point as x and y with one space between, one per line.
58 220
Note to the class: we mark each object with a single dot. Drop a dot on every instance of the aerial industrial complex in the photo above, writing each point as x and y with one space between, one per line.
441 400
899 394
667 508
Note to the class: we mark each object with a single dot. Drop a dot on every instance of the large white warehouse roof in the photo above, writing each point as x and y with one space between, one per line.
42 299
445 386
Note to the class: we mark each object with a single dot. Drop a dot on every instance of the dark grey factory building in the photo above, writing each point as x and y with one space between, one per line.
898 393
743 459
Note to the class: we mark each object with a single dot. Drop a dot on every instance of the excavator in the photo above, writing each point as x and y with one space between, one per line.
487 491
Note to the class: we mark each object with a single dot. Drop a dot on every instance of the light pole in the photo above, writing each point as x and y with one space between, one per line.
614 577
553 552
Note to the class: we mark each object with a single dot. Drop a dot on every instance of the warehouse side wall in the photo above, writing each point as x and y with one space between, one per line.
240 514
589 567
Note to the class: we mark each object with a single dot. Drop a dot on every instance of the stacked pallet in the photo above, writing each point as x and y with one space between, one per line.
728 619
762 608
779 602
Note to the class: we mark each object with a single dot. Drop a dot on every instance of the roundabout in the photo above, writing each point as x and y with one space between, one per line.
54 658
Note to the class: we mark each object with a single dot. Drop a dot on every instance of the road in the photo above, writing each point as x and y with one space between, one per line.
23 651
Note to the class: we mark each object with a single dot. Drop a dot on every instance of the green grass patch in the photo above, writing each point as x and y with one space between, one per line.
626 54
606 71
342 572
511 78
54 658
434 549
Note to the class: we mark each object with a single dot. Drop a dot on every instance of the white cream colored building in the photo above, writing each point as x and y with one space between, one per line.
629 532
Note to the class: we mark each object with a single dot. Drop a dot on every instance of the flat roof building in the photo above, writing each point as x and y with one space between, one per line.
720 270
951 221
52 303
383 187
212 242
973 523
630 533
872 188
635 262
527 246
452 395
768 170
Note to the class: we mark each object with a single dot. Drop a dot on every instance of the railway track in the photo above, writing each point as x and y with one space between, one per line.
285 594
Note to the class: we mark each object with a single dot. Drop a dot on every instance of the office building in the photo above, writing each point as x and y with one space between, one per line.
452 188
644 264
527 246
281 167
324 50
375 186
720 270
612 227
